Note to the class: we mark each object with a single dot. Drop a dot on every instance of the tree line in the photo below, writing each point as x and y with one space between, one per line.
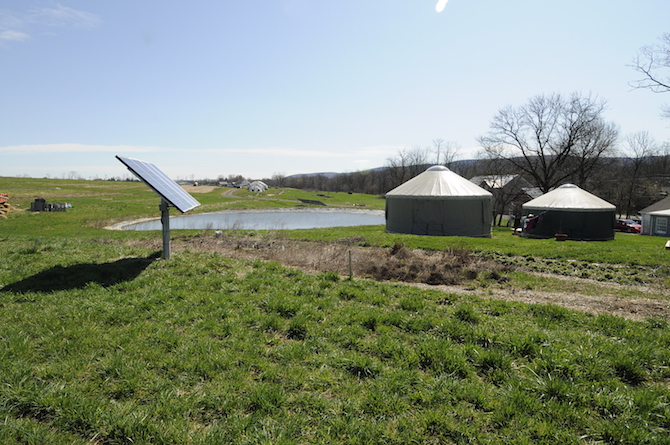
631 181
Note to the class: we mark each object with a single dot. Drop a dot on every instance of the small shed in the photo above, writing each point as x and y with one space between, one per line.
439 202
572 211
659 223
656 218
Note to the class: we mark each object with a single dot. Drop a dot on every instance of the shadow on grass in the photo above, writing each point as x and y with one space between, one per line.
79 275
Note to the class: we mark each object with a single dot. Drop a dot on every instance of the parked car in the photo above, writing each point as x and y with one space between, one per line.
627 225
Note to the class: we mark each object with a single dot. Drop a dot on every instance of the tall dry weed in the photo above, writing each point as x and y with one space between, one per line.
397 263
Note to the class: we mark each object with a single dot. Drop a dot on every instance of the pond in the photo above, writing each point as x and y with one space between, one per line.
275 219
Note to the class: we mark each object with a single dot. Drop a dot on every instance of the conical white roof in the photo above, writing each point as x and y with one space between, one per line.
438 182
569 197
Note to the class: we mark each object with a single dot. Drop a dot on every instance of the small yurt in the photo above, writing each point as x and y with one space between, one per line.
571 211
441 203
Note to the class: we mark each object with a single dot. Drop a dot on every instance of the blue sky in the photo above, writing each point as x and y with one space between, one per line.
257 87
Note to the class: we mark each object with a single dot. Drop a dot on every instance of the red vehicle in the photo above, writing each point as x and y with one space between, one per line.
627 225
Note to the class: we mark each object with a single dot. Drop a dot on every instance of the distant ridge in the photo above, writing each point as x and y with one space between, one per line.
454 165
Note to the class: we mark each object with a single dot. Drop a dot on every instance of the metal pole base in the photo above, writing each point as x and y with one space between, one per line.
165 220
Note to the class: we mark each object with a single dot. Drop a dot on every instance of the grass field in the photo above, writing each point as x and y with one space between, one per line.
100 343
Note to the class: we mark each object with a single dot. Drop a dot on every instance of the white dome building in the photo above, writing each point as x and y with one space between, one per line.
258 186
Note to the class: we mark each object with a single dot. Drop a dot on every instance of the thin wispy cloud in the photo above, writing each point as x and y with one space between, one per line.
382 150
13 36
358 152
63 16
84 148
268 151
9 19
19 26
275 151
10 28
80 148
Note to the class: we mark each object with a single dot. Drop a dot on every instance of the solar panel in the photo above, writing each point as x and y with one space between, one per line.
161 183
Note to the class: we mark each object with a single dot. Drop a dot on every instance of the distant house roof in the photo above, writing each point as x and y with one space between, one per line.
665 212
533 192
499 181
663 204
514 184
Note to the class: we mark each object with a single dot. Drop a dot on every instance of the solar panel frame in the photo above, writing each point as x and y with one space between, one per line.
160 183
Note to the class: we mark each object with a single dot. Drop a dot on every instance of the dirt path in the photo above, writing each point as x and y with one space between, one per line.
230 193
631 308
319 257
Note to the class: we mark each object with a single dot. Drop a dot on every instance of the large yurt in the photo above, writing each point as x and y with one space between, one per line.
569 210
439 202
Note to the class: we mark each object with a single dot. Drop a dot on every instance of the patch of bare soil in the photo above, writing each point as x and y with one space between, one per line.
450 271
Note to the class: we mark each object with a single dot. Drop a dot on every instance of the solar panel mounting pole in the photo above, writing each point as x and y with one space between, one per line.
170 192
165 220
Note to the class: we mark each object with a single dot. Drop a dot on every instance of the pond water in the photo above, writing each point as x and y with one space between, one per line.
275 219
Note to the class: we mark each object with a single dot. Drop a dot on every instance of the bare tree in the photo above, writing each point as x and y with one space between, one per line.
406 164
542 137
446 151
653 62
397 167
662 167
437 146
278 178
418 159
641 147
598 141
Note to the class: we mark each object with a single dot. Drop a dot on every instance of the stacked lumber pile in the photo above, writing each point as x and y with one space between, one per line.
5 206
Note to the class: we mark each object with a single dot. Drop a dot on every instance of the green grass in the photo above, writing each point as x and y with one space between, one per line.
329 198
203 349
628 259
97 204
102 343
